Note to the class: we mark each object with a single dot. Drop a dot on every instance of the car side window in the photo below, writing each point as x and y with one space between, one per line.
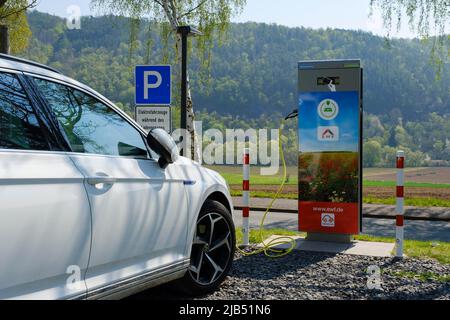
90 125
19 126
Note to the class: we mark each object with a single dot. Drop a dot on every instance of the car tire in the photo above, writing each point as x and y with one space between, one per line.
212 251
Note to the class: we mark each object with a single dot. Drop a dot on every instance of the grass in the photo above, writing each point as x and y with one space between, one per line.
437 250
235 178
264 194
233 175
371 183
426 276
255 235
415 202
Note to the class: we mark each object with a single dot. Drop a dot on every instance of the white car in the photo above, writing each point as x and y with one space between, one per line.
90 207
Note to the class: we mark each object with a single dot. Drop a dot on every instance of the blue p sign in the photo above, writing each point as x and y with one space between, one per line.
153 85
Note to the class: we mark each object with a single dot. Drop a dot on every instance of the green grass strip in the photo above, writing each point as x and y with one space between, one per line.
437 250
414 202
373 183
426 276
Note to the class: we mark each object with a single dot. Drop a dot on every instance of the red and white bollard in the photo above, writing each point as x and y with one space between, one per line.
246 197
400 210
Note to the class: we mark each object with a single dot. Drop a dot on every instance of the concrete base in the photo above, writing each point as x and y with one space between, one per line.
329 237
361 248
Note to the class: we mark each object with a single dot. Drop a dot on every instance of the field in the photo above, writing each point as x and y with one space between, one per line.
424 186
439 175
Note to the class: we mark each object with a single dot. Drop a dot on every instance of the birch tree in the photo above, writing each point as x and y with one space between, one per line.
13 13
209 16
426 18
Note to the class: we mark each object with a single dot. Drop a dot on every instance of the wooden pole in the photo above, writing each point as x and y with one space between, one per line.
4 41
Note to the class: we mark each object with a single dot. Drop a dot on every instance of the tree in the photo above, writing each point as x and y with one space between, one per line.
209 16
423 16
13 15
371 153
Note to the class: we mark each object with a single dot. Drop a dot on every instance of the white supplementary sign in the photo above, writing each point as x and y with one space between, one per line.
150 117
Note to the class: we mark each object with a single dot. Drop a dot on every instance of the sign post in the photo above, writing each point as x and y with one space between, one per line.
330 149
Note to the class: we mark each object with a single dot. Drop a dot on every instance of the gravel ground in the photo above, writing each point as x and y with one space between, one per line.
313 275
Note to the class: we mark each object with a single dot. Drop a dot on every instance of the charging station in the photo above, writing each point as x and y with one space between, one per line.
330 149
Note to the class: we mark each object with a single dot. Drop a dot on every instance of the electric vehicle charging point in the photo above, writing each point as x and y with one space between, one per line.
330 149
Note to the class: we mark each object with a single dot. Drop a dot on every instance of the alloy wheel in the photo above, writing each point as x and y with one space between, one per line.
211 248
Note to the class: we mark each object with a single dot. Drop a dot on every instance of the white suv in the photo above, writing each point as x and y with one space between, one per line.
90 206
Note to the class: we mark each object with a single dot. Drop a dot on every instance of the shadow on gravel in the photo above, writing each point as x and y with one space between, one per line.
261 267
163 292
437 292
315 275
258 267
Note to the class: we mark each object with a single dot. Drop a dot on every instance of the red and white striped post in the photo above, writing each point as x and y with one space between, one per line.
246 197
400 210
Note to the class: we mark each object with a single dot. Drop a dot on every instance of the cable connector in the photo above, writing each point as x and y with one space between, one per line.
293 114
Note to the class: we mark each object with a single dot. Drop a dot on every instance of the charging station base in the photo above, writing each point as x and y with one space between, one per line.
329 237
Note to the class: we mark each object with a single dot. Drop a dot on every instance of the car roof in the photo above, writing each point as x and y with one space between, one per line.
26 66
18 64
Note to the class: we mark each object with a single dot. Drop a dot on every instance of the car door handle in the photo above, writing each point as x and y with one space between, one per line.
100 179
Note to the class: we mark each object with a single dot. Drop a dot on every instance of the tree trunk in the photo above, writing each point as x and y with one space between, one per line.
190 116
169 8
4 41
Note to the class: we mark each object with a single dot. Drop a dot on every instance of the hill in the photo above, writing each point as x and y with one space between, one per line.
254 78
254 71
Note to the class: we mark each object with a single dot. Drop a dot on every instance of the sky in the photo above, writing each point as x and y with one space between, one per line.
344 14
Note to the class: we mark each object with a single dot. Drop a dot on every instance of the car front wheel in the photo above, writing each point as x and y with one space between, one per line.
212 250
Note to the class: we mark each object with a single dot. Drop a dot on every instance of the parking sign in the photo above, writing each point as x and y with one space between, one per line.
153 85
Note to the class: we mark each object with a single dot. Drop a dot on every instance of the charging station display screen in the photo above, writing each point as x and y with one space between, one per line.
329 161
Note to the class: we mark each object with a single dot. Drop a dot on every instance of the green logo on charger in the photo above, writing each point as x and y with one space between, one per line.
328 109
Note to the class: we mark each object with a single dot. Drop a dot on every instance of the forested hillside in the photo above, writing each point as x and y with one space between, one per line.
254 75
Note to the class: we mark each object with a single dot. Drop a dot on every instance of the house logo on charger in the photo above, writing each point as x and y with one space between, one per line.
328 133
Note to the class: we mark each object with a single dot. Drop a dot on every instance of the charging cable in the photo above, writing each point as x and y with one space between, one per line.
268 247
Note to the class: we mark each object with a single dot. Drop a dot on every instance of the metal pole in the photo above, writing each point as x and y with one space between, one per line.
4 41
400 204
184 92
246 197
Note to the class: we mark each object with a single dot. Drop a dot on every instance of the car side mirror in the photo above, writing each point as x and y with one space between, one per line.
164 145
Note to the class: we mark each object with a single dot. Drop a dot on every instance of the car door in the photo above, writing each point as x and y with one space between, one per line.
139 211
45 222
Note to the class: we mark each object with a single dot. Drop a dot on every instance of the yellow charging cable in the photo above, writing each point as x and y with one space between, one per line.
268 247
